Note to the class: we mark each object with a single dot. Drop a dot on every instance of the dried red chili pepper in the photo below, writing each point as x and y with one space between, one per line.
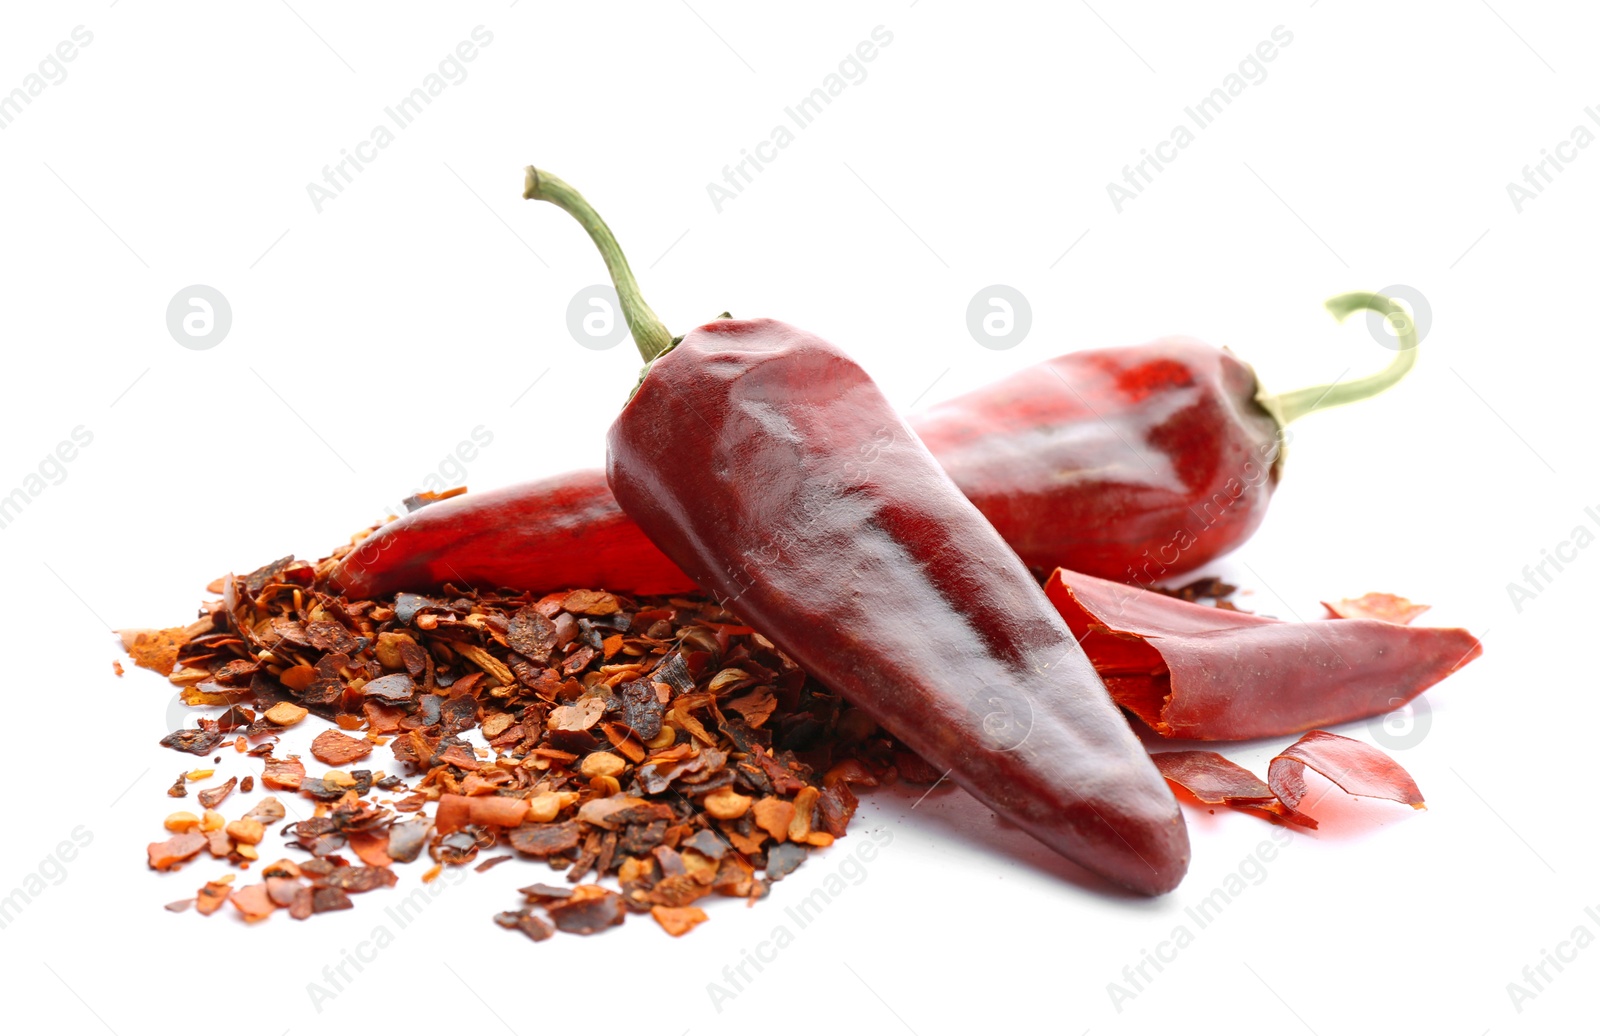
1213 675
769 466
1132 463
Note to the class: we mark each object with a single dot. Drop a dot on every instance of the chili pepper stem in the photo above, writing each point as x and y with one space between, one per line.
649 333
1291 406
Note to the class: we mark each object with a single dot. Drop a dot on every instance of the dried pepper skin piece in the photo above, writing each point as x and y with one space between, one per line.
195 742
1211 778
1388 607
1353 765
1217 781
1206 674
1134 463
810 507
593 910
175 850
1356 767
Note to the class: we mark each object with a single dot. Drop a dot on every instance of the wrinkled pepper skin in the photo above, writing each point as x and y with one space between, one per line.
1134 463
772 470
1205 674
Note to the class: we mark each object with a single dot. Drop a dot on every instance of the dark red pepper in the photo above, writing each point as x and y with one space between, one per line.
1134 463
770 468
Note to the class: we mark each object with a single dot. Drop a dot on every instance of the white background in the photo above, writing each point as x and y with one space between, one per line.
369 338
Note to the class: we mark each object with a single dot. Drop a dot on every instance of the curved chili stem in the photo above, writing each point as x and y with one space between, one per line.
1290 406
649 333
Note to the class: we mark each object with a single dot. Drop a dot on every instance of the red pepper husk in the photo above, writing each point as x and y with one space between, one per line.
1353 765
1356 767
1207 674
1217 781
774 472
1131 463
1387 607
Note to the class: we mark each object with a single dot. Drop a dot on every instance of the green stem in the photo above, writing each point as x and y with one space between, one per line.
1291 406
649 333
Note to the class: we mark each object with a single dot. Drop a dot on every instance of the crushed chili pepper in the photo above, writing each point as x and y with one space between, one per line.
685 760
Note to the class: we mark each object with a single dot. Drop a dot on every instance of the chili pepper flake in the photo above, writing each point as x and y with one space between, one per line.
195 742
609 755
394 689
591 602
175 850
784 859
252 902
285 714
211 798
676 921
284 774
268 811
532 635
1385 607
590 909
544 839
526 922
338 749
211 897
155 650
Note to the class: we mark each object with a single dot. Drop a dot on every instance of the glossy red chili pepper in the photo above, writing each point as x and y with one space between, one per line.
1134 463
770 468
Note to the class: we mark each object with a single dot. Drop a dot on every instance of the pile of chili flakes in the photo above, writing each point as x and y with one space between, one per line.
657 744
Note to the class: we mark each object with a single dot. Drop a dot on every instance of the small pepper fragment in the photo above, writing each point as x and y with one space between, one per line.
1387 607
590 909
1354 766
166 855
678 921
1214 780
